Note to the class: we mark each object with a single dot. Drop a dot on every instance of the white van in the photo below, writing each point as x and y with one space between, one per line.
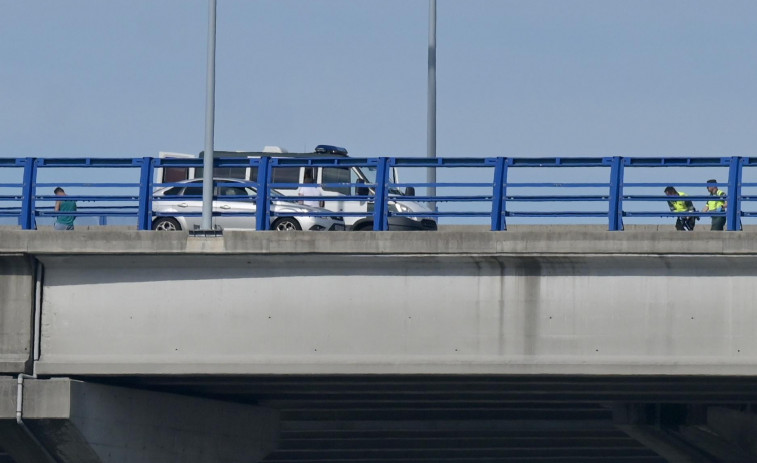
398 201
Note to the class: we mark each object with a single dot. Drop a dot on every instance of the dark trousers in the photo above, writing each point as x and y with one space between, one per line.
686 223
718 223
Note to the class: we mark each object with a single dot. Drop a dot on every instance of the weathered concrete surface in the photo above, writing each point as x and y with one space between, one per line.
16 312
334 314
529 301
536 302
79 422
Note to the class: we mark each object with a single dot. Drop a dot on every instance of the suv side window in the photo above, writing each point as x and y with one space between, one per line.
336 175
229 172
175 174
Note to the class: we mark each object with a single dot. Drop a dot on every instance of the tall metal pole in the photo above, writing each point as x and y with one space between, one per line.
207 173
431 132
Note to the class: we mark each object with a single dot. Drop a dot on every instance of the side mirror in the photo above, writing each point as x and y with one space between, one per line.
410 191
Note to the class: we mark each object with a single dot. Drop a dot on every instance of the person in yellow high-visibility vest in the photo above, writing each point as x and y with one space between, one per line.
716 204
681 205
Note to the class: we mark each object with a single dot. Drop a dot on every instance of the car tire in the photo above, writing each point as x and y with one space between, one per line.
166 224
286 224
365 226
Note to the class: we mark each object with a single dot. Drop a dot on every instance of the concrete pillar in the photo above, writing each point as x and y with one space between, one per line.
80 422
14 441
16 313
737 427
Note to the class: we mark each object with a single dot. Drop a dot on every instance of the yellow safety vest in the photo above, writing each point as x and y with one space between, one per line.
716 204
679 206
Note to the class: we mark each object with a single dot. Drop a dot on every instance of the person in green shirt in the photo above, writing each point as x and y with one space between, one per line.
717 204
64 222
681 205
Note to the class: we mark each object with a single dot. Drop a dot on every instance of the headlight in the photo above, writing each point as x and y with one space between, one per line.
399 207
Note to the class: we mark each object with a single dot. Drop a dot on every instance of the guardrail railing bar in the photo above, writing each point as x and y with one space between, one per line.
616 194
498 195
380 209
733 220
144 219
263 205
382 197
26 219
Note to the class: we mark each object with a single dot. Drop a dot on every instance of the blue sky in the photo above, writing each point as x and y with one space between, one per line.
515 78
123 78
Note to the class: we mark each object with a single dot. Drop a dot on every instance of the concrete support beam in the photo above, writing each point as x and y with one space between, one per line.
80 422
16 313
389 314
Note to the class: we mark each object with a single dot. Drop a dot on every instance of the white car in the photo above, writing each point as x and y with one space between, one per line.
171 205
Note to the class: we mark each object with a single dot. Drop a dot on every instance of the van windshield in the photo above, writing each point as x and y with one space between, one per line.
369 173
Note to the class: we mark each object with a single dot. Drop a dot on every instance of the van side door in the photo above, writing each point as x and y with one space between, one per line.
335 182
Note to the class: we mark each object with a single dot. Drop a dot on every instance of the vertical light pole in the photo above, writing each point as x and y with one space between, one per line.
431 130
210 94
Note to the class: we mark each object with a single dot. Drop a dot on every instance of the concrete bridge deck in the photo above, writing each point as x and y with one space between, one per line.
344 344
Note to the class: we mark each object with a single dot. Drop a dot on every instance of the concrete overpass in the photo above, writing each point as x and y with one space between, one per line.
535 344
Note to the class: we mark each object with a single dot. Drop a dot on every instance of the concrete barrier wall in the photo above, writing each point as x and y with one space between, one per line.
385 313
546 240
16 313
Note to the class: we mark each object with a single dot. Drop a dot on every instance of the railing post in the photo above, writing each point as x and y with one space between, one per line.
262 204
733 211
615 210
144 218
380 209
498 195
28 191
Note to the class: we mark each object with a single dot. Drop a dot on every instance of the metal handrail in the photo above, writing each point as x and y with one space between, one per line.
493 197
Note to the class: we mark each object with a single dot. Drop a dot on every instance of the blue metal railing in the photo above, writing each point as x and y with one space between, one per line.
491 195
